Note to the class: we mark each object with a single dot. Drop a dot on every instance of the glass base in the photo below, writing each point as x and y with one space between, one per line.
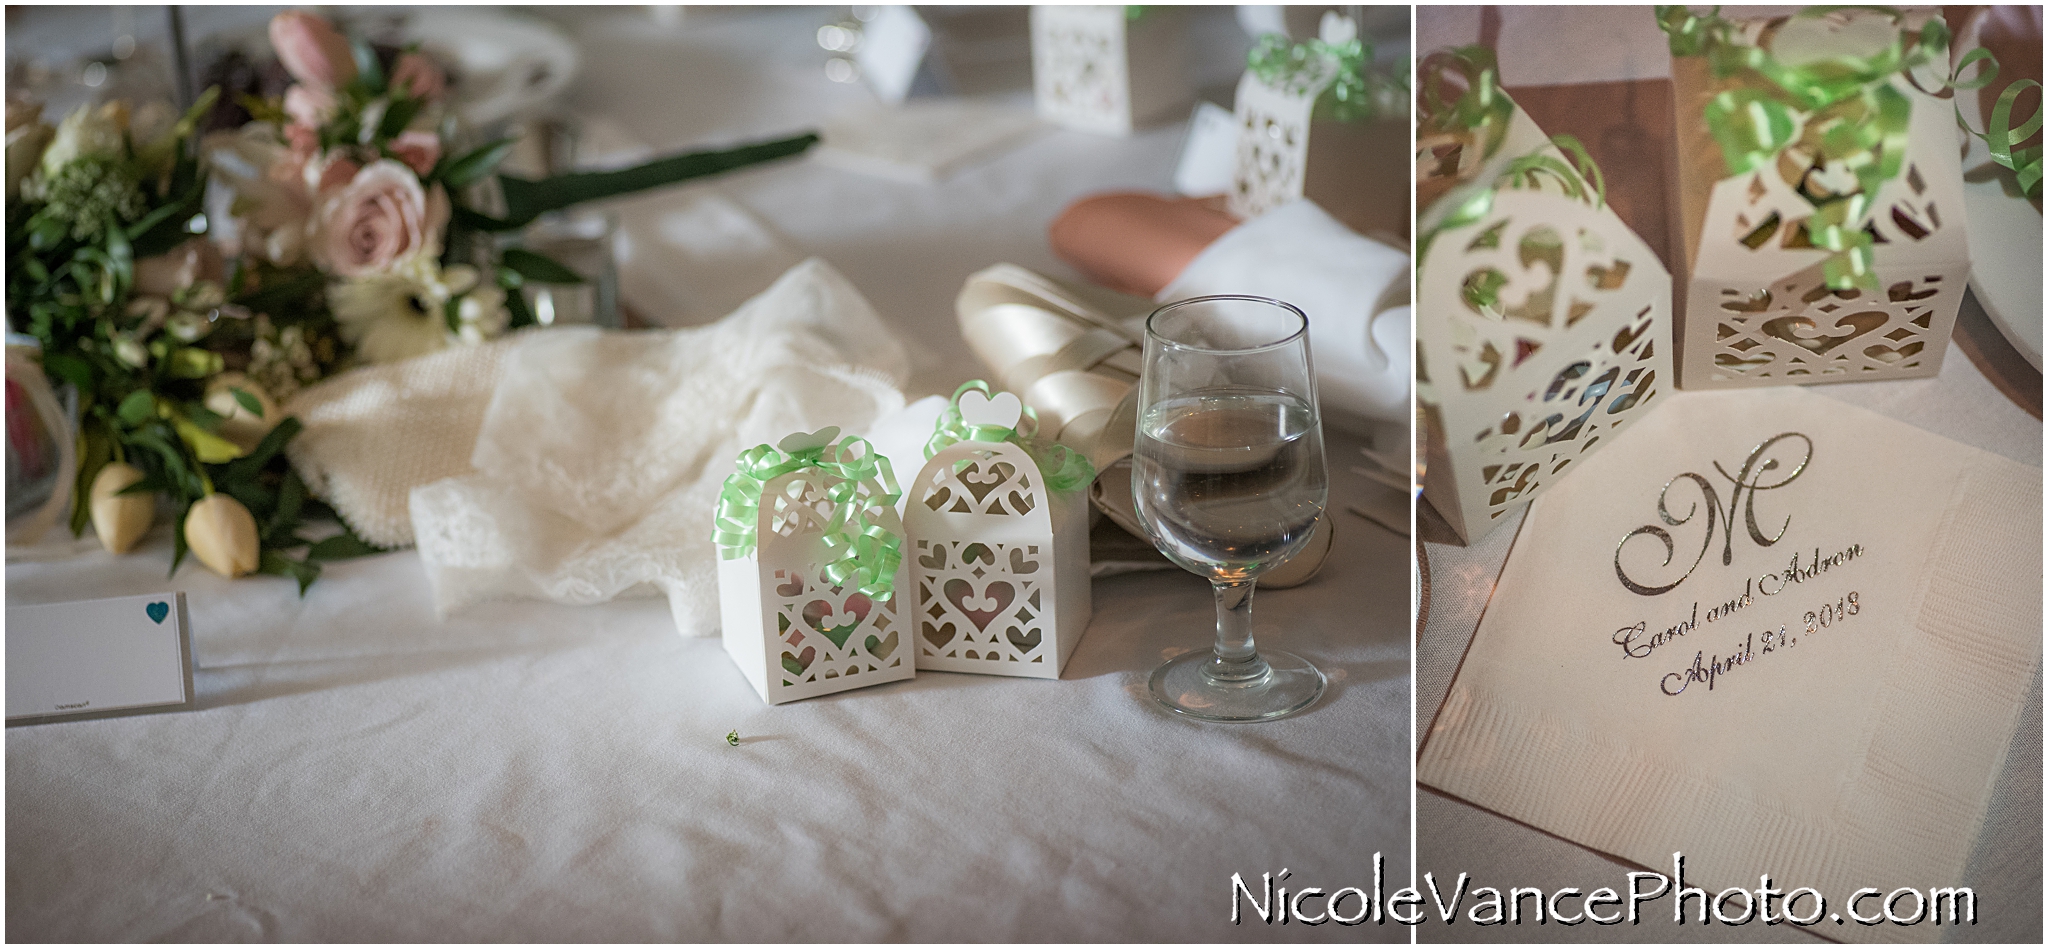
1198 685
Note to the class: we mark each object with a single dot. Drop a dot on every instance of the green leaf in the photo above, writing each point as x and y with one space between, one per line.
472 165
398 116
137 408
537 268
285 519
522 314
70 368
369 71
150 484
209 448
526 200
277 564
246 401
342 547
178 547
152 219
203 417
97 450
246 467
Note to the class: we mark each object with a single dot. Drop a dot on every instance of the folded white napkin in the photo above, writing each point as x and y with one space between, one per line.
1815 676
1354 290
601 455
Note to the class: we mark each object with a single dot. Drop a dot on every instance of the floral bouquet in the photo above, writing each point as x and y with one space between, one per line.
186 286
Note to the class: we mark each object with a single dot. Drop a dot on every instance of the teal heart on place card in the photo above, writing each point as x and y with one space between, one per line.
158 611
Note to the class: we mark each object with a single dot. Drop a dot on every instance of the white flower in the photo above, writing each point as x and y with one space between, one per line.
404 313
482 314
281 360
87 131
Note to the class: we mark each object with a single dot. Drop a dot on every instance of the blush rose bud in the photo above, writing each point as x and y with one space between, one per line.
312 50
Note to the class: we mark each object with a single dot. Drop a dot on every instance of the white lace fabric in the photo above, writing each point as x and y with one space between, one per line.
596 457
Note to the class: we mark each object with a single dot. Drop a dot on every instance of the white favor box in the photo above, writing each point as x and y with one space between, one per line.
792 633
1763 315
1095 69
1577 348
999 562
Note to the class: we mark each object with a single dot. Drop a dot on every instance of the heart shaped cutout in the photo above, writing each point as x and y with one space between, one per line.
974 552
881 648
1002 411
983 609
805 441
936 560
939 636
158 612
1025 642
1810 336
1019 565
838 624
984 477
799 664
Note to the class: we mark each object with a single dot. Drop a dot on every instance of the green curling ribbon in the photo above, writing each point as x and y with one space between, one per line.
865 554
1064 470
1581 179
1482 111
1843 108
1355 94
2000 136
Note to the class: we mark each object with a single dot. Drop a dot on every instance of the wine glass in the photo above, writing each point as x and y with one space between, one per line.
1229 480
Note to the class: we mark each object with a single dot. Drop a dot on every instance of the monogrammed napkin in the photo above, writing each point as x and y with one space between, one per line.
1777 633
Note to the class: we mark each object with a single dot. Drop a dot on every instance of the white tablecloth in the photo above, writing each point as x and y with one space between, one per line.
356 770
1563 45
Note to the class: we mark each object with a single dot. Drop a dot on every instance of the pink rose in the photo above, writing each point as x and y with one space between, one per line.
419 150
381 217
312 50
309 105
415 73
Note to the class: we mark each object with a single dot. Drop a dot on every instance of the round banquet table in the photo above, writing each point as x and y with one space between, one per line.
1601 73
357 769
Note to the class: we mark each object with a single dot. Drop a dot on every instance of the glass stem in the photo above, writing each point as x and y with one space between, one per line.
1237 658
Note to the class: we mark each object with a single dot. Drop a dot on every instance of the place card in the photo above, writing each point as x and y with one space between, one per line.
1775 632
892 52
97 658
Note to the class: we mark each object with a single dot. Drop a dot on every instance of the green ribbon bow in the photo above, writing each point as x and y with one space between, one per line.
865 553
1842 112
1356 93
1064 470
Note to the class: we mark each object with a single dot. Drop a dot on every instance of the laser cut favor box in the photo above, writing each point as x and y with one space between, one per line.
1101 69
793 631
999 560
1543 328
1756 308
1352 167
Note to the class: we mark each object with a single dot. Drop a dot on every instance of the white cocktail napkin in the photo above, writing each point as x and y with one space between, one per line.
601 455
1354 290
1816 676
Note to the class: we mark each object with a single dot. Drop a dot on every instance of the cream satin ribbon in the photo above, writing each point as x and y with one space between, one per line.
1078 369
